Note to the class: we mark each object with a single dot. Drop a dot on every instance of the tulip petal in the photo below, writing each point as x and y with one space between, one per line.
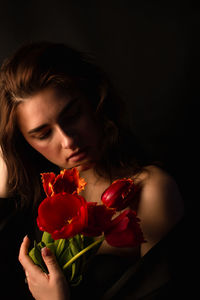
47 181
125 230
62 215
68 181
99 218
119 194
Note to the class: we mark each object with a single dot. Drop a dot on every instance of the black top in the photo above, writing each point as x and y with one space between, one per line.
13 227
165 272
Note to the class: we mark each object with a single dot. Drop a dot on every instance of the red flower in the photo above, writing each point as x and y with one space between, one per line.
119 194
68 181
99 218
125 230
62 215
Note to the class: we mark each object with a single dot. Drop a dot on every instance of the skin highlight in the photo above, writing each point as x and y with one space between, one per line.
59 126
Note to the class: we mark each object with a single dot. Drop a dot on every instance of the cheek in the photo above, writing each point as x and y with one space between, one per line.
45 150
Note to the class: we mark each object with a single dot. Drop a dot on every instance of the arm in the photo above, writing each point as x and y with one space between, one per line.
4 177
160 206
13 226
51 286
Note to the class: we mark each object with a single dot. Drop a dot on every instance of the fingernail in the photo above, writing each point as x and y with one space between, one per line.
46 251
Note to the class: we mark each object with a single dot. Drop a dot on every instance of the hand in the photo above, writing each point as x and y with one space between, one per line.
4 177
52 286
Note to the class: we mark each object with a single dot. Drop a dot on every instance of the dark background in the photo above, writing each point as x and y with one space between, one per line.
150 51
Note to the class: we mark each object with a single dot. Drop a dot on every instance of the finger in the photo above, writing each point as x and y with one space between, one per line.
50 261
24 258
27 277
24 250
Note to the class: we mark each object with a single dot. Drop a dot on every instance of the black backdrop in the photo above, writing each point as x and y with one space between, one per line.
149 49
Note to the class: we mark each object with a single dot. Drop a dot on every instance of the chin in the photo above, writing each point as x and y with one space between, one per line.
84 167
81 166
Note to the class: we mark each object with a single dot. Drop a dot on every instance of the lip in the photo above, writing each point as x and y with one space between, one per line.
78 155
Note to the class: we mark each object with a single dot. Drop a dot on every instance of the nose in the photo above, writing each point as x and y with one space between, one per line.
67 140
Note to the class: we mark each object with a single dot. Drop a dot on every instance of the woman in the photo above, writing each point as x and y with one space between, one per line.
59 110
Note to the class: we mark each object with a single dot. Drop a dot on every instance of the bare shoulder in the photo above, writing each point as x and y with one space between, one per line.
160 205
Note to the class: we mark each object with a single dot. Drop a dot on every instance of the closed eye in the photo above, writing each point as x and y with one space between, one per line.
44 135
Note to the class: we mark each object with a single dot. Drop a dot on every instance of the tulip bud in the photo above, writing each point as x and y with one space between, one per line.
119 194
125 230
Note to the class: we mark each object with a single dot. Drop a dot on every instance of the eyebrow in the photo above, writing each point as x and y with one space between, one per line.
37 129
63 111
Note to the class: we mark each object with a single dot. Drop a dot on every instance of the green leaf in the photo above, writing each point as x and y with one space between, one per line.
71 248
46 238
41 245
32 256
75 245
35 255
76 280
79 239
52 247
39 258
56 242
73 272
81 249
65 256
61 246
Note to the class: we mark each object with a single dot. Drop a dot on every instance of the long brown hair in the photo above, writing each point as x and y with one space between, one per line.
34 67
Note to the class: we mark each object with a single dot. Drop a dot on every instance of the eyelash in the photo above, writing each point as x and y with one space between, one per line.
44 136
48 133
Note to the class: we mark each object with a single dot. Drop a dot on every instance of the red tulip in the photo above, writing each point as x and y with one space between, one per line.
99 218
47 181
125 230
119 194
62 215
68 181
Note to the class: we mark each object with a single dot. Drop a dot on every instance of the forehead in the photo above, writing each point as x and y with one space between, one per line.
44 107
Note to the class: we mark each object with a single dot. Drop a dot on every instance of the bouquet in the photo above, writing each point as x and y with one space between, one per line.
74 229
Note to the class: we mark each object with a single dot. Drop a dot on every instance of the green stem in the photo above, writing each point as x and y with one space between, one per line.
82 252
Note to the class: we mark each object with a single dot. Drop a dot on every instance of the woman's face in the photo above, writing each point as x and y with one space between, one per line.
61 127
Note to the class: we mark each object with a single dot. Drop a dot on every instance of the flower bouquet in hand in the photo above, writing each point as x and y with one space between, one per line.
74 229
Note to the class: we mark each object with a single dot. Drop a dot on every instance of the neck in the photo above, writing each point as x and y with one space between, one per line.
95 185
90 175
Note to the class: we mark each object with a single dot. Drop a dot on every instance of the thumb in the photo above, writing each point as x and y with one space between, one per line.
50 261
